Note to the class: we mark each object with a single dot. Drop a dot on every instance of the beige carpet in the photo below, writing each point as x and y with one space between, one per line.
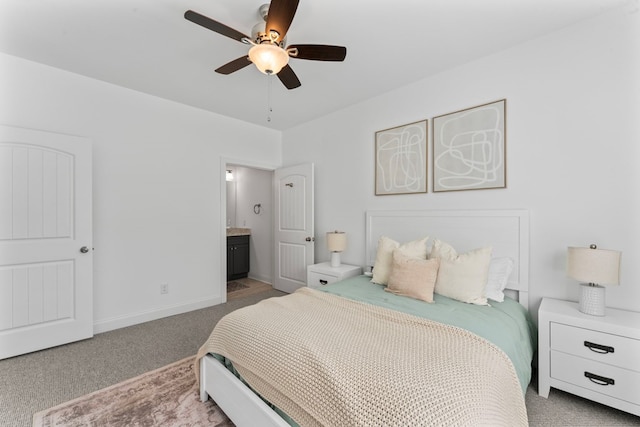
166 396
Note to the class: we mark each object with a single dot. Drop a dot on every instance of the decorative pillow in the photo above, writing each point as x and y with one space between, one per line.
499 271
386 246
412 277
462 277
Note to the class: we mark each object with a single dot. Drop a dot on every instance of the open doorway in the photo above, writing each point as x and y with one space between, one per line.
248 223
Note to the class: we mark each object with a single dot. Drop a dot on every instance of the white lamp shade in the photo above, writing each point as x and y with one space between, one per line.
599 266
336 241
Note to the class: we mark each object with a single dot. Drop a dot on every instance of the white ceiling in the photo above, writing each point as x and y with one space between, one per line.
148 46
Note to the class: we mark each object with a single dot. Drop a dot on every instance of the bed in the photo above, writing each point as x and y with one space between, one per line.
377 358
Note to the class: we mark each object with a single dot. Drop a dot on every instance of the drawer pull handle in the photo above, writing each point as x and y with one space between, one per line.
323 282
597 379
598 348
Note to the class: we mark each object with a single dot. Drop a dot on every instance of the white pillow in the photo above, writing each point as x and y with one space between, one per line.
499 271
462 277
386 246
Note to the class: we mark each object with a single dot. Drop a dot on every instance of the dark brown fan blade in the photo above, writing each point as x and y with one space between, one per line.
281 13
319 52
235 65
212 25
288 77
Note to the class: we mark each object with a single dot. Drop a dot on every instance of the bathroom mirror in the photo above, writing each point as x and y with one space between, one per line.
231 203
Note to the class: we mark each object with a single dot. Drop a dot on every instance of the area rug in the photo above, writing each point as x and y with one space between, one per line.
164 397
235 286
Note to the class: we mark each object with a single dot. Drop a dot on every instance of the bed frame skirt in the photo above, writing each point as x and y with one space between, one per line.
240 404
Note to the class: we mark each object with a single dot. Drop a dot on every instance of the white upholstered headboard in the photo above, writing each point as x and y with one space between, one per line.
507 231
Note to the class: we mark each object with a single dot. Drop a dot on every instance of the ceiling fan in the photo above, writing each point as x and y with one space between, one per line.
269 51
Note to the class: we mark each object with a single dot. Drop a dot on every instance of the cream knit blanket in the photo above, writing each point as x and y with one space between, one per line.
330 361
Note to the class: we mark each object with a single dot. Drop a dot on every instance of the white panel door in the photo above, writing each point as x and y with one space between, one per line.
294 230
46 260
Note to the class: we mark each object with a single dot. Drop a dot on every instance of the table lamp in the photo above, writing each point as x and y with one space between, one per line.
336 243
593 267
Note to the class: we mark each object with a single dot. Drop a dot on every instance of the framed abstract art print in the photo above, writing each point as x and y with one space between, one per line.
401 159
469 148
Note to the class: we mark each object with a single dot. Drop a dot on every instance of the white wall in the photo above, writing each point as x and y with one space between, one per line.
255 186
573 141
573 144
156 187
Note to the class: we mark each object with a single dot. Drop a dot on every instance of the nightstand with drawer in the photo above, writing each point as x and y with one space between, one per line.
322 274
594 357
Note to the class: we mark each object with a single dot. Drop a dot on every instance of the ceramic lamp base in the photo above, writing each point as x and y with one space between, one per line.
592 299
335 259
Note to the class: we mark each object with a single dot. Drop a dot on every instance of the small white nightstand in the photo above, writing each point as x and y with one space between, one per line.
594 357
322 274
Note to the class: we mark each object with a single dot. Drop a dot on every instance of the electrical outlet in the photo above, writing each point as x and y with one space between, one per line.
164 288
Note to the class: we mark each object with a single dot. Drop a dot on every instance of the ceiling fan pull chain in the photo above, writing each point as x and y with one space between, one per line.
269 109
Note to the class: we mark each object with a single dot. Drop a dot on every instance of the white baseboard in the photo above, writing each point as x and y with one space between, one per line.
146 316
259 278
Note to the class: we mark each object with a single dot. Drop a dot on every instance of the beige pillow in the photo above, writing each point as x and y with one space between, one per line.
386 246
462 277
413 277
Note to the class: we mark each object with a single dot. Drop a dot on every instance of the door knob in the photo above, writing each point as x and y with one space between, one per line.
84 249
310 239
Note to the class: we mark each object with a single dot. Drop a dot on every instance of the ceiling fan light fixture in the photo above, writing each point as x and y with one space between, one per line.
270 51
268 58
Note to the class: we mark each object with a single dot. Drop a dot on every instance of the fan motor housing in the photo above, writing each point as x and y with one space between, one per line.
259 36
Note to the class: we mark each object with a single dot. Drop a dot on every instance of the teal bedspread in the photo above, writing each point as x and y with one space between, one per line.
506 324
